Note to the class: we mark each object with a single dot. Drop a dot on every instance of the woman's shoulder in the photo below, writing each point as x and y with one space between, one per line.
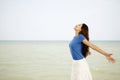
81 36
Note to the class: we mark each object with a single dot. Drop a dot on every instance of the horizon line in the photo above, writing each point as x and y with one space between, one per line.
56 40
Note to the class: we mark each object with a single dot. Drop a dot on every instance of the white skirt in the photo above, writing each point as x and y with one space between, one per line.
80 70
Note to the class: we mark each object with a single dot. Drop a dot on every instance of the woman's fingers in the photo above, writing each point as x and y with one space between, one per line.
111 59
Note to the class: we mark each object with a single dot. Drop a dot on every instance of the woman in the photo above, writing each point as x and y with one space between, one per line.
79 48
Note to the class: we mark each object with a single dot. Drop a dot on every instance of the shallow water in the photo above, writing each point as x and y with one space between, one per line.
51 60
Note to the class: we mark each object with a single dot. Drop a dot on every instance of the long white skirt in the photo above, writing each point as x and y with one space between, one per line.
80 70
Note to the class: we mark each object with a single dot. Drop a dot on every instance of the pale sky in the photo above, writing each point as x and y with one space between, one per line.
55 19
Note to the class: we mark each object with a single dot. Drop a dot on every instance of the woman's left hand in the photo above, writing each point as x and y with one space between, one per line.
110 58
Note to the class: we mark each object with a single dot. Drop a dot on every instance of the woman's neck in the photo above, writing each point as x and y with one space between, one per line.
76 33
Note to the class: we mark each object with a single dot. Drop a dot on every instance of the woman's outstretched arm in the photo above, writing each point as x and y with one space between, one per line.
94 47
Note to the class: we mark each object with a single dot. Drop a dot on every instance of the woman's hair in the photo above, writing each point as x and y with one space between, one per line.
85 31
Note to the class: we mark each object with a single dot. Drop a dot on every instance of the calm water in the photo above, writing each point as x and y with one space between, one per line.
51 60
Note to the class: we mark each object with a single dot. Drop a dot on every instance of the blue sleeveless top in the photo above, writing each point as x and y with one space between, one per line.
76 47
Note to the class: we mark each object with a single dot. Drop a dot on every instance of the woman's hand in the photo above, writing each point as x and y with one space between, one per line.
110 58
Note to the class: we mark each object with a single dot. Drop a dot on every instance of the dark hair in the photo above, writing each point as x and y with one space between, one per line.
85 31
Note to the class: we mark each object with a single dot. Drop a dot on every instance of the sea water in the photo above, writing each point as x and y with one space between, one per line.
51 60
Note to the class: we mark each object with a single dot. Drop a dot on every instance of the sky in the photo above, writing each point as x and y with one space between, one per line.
55 19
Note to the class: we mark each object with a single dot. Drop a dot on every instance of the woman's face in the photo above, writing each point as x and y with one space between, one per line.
78 27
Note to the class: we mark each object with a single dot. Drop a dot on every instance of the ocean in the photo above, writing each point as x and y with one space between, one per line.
51 60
